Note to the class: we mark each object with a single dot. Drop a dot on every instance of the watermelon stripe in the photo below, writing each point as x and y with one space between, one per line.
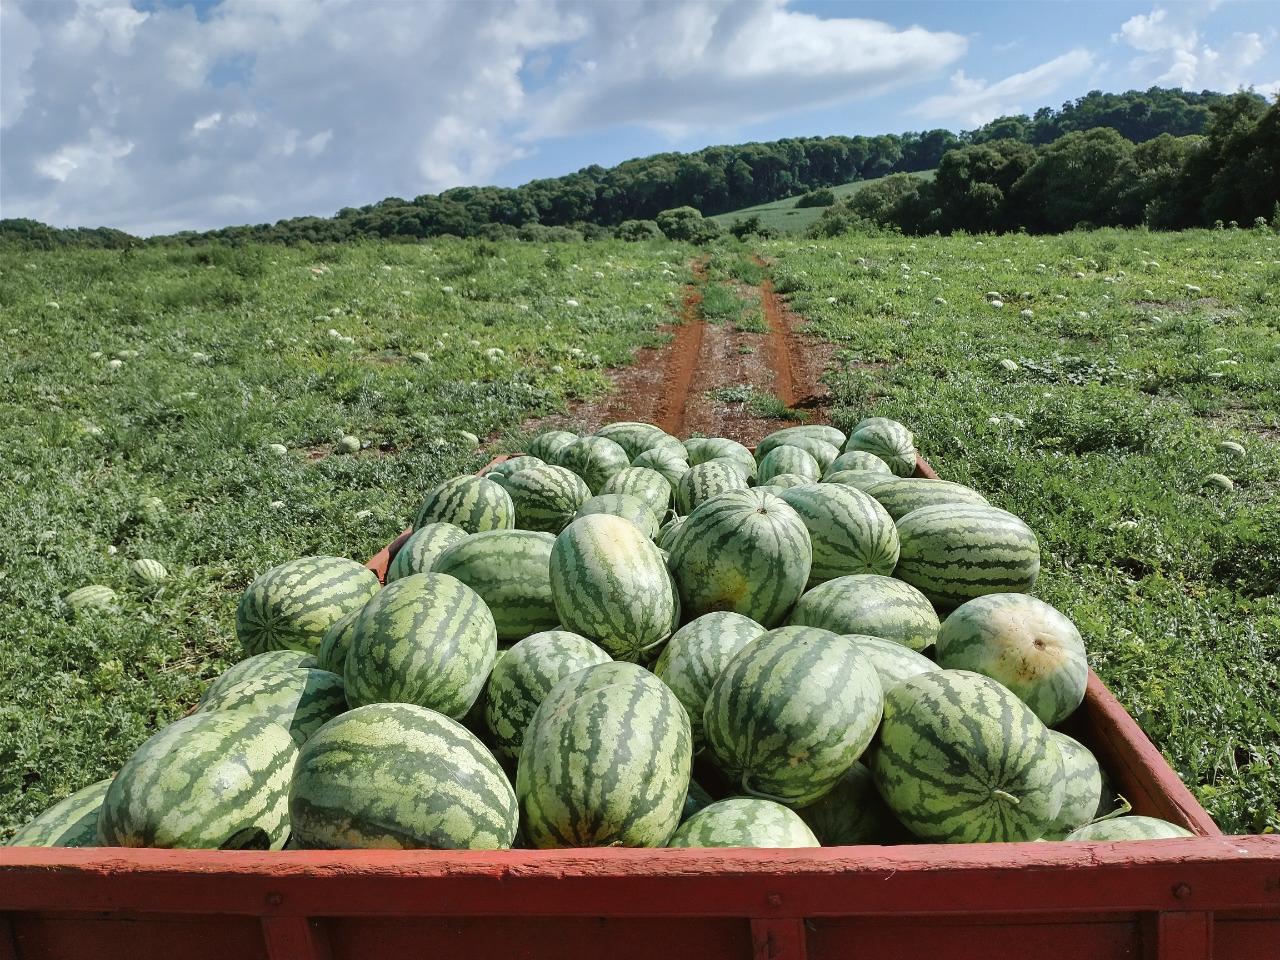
71 822
509 571
473 503
292 605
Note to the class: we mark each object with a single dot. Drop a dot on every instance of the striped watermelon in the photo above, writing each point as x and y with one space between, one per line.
742 551
1129 828
1082 794
860 479
667 532
523 677
743 822
634 438
699 484
594 459
1023 643
858 460
511 465
870 604
648 485
787 459
626 507
71 822
332 655
605 761
784 481
850 533
697 653
887 439
893 662
821 451
427 639
260 665
815 431
771 488
510 571
546 498
94 598
214 780
400 777
671 462
702 449
610 584
955 552
291 606
901 495
960 759
695 800
546 445
421 549
301 701
472 503
791 712
851 813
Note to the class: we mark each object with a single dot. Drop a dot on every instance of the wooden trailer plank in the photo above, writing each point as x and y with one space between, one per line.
1179 935
778 939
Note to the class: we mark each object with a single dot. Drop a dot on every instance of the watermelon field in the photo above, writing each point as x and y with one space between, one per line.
216 411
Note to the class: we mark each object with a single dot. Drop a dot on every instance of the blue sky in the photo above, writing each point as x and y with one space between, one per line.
163 115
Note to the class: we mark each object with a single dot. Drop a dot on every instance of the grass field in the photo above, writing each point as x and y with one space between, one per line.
785 217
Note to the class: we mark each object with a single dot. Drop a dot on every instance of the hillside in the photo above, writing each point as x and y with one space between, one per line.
785 217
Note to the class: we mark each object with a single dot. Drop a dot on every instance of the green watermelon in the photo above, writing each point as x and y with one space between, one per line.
893 662
546 445
400 777
71 822
851 813
300 700
473 503
699 484
667 532
704 449
901 495
791 712
955 552
671 462
858 460
291 606
821 451
421 549
742 551
605 762
743 822
546 498
1023 643
1129 828
525 675
787 459
216 780
888 440
260 665
511 465
697 653
815 431
94 598
635 438
148 572
647 485
694 800
610 584
510 571
870 604
860 479
427 639
625 506
849 532
785 481
960 759
594 459
1082 794
332 655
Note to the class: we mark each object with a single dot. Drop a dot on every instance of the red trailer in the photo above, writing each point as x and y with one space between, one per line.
1192 899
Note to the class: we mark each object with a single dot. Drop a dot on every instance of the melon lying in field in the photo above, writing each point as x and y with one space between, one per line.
744 822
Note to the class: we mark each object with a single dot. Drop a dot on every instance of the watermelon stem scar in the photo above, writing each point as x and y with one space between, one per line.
1007 797
746 788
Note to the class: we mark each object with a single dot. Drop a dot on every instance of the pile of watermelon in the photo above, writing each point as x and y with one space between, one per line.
625 639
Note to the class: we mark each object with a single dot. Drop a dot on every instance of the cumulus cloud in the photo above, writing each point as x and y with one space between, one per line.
972 101
1174 53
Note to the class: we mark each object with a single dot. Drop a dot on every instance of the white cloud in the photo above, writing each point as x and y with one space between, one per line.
89 162
1174 51
1156 31
973 101
19 42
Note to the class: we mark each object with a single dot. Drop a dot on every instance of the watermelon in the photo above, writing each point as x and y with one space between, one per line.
852 813
525 675
547 445
695 800
955 552
791 712
421 549
291 606
671 462
814 431
901 495
787 459
667 532
148 572
215 780
960 759
850 533
742 551
635 438
893 662
861 479
702 449
743 822
625 506
888 440
699 484
594 459
400 777
71 822
1129 828
427 639
771 488
821 451
605 762
645 484
858 460
260 665
300 700
472 503
546 498
870 604
1082 794
697 653
95 598
332 655
784 481
610 584
1023 643
512 465
509 570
